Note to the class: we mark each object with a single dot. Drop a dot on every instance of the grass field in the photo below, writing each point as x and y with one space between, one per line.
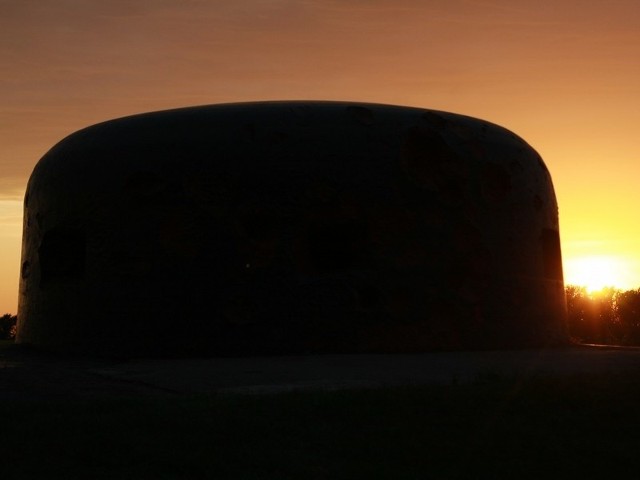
576 427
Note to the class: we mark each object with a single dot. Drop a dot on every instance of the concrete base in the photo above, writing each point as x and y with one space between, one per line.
27 375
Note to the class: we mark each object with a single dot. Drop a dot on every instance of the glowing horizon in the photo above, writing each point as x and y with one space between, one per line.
595 272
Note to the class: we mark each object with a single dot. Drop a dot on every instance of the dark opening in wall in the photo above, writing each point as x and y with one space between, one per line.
337 245
552 258
142 184
25 269
62 255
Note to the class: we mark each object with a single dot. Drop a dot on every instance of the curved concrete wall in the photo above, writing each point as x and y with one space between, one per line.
290 227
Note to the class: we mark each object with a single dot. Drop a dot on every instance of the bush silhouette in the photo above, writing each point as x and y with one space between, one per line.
8 326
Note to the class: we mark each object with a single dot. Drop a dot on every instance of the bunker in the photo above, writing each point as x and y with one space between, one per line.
290 228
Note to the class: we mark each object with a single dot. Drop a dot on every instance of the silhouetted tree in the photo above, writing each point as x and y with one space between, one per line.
628 312
8 326
606 319
578 313
589 315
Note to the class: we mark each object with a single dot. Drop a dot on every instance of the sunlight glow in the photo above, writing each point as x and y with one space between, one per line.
597 272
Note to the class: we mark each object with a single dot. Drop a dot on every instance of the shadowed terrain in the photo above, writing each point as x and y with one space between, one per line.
550 414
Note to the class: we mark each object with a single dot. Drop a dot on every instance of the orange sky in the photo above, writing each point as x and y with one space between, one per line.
564 75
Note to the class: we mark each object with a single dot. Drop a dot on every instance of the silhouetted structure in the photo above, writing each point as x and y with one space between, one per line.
290 227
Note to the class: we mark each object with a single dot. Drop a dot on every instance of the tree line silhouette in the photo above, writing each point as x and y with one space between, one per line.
610 316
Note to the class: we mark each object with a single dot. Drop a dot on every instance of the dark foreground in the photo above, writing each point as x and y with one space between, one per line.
523 424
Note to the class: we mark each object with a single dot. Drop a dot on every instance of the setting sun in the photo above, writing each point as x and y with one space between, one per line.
597 272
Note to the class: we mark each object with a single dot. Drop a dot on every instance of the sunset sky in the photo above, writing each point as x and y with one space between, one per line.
563 74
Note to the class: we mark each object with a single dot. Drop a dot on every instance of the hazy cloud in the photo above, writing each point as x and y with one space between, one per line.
10 217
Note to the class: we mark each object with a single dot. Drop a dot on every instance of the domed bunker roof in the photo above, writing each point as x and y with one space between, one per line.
290 227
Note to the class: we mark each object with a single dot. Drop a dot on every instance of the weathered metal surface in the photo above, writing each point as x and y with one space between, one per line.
290 227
